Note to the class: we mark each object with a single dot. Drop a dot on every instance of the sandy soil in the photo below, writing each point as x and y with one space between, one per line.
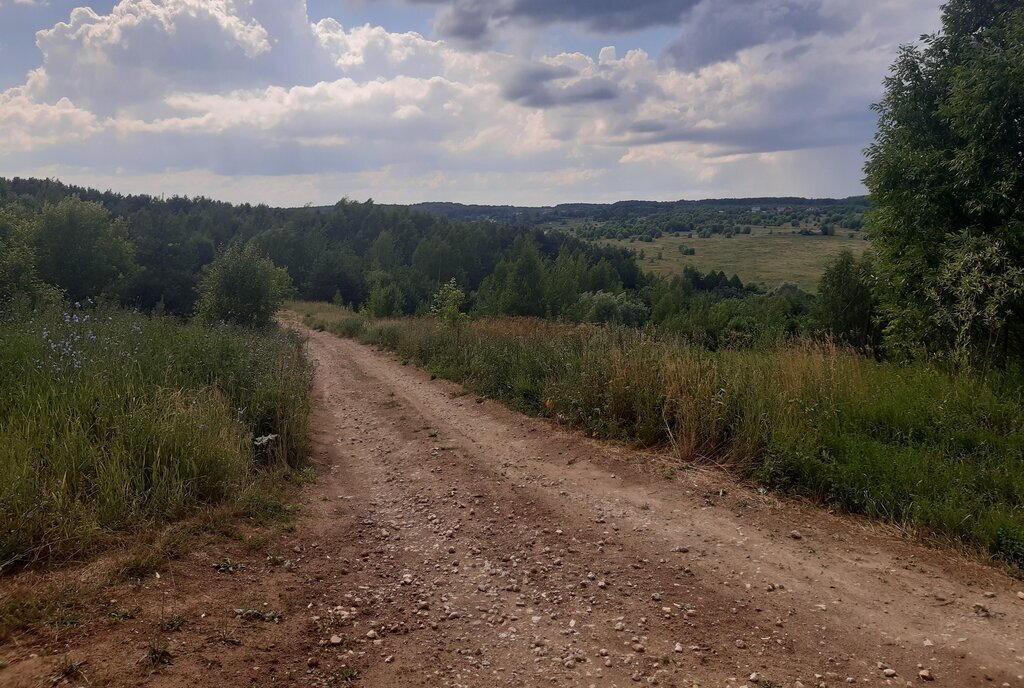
455 543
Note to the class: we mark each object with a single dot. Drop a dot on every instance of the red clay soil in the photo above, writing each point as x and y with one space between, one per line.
451 543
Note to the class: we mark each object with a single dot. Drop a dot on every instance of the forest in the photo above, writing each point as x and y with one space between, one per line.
150 254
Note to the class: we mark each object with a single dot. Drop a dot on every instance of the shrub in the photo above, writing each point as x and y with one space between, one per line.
242 287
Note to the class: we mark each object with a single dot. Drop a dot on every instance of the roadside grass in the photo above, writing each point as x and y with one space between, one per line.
768 255
116 423
52 602
912 445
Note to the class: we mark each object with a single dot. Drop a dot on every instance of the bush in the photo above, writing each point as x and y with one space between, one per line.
241 287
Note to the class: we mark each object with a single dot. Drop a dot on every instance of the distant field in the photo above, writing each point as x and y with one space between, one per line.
761 256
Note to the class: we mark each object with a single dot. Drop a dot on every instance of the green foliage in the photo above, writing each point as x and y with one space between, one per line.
113 421
447 303
604 307
846 308
18 275
386 297
946 175
81 251
242 287
908 444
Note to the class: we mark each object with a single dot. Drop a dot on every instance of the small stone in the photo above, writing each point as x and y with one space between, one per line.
389 659
1020 595
796 535
336 640
888 673
371 634
740 644
928 643
312 662
678 647
925 675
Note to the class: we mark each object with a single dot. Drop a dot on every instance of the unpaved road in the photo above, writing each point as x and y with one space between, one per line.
451 543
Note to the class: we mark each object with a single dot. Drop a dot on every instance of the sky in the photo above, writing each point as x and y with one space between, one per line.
525 102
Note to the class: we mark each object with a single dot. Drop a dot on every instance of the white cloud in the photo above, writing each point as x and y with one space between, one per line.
236 92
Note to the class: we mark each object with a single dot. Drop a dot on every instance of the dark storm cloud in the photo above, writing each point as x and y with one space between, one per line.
538 86
717 31
473 20
710 30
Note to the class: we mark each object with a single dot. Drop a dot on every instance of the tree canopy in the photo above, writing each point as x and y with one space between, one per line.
946 172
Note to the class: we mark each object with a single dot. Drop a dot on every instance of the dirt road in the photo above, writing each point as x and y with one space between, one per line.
455 543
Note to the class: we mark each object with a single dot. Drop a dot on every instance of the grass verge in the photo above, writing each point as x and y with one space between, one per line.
116 422
906 444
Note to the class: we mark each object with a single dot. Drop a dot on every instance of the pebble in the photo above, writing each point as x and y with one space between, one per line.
1020 595
371 634
678 647
740 644
336 640
925 675
888 673
796 535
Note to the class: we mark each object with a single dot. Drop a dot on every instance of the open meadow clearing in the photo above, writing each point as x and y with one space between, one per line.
768 255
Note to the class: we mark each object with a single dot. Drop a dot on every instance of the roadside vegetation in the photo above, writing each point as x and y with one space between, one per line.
910 444
116 421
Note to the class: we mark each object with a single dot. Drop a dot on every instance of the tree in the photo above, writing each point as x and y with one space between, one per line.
846 308
81 251
946 172
242 287
447 303
18 276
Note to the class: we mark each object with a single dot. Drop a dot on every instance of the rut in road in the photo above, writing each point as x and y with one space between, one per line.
451 543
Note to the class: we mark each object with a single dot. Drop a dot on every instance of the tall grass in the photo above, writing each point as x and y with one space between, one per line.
111 421
907 444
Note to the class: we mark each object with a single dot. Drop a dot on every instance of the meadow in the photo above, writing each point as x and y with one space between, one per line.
116 421
768 255
939 454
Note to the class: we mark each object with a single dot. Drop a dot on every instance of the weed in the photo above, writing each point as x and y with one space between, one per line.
67 670
347 675
259 615
156 658
123 614
172 624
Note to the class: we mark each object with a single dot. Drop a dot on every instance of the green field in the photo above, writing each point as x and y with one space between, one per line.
768 255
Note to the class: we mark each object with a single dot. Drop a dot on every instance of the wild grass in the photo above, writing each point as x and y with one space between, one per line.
913 445
115 421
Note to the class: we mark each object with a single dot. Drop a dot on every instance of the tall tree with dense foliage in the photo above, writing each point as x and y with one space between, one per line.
18 276
846 307
946 172
81 250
